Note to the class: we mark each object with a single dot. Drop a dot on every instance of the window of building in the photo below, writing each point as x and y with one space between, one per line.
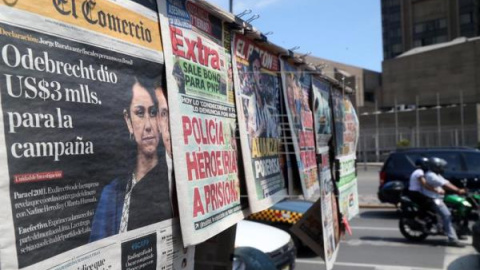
394 32
397 48
465 18
370 97
440 39
417 43
389 3
419 28
466 3
442 23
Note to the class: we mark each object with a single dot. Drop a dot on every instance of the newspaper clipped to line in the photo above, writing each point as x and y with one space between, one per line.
85 180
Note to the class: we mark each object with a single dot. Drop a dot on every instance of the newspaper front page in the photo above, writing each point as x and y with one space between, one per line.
297 89
85 181
203 110
322 114
258 90
320 228
346 136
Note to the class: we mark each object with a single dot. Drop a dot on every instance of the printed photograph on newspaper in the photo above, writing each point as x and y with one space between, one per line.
83 143
205 150
297 89
346 135
258 108
322 114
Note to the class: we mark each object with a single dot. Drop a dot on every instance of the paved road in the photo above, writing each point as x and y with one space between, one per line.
377 244
368 181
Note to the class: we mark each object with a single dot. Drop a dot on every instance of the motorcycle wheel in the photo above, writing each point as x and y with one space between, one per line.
409 232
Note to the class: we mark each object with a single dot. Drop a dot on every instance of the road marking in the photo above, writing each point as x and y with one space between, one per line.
375 266
377 243
452 254
374 228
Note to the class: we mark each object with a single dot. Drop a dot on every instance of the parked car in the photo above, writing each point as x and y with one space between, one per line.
254 240
284 215
463 163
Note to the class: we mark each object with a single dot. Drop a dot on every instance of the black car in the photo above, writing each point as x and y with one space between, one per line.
463 163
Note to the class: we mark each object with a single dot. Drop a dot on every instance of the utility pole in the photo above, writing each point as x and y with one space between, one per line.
377 139
230 9
396 120
417 118
438 121
462 121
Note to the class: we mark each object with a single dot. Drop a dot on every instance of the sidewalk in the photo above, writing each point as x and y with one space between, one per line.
371 201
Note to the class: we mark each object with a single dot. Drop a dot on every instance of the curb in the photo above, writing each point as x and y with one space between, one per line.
376 206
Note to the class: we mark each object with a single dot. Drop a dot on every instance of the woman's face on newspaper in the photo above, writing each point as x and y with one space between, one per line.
143 121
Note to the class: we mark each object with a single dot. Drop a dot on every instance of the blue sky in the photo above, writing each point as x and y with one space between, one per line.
345 31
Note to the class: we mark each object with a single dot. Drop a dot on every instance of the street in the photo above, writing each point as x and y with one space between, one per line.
377 243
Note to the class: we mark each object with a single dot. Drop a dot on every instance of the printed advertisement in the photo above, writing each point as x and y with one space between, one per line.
319 227
86 181
322 114
297 88
347 186
346 125
346 135
258 98
206 154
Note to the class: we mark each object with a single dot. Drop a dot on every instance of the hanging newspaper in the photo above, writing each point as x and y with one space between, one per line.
85 180
258 99
319 227
205 150
322 114
346 135
297 88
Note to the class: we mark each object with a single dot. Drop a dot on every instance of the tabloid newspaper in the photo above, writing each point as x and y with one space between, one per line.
297 89
85 179
322 114
319 228
258 90
346 135
203 110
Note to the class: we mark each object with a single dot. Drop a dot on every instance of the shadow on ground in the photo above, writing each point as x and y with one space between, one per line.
380 214
426 242
306 252
466 262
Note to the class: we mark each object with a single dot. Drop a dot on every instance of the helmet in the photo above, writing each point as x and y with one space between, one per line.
422 163
437 164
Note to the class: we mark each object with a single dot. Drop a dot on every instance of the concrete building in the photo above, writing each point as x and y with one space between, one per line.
430 97
430 88
408 24
443 71
365 83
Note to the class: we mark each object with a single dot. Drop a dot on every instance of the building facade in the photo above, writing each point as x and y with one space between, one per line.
409 24
366 84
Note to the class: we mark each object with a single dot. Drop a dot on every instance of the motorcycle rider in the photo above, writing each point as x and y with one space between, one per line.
417 184
436 180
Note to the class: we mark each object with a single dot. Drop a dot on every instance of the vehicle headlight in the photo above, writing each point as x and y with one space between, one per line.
467 204
291 245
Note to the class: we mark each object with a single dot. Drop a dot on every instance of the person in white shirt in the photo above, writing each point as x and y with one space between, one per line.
436 180
417 184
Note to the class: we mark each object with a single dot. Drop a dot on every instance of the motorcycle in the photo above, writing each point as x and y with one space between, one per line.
417 228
